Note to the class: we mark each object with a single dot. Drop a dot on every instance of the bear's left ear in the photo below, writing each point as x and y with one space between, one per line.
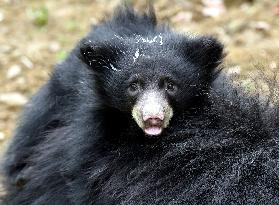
99 56
205 51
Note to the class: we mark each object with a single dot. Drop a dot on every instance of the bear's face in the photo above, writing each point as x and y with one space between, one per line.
153 80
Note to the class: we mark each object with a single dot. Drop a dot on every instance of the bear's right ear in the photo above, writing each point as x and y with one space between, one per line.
99 56
205 51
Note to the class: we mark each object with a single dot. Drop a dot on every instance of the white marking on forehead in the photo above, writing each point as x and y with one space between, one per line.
119 37
136 55
161 40
156 39
113 68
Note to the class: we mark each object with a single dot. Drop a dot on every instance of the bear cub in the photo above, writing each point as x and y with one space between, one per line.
139 114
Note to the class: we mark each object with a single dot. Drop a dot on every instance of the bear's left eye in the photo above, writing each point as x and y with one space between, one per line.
134 88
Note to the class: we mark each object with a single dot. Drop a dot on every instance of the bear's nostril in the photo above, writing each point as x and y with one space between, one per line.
156 117
154 122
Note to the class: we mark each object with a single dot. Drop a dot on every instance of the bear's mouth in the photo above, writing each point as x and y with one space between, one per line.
153 126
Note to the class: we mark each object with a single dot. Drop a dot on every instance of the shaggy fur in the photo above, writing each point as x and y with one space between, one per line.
78 144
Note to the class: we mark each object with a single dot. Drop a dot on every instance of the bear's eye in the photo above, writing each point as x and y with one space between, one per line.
170 87
134 88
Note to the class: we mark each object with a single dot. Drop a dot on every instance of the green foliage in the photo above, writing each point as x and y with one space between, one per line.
249 86
39 16
61 55
72 25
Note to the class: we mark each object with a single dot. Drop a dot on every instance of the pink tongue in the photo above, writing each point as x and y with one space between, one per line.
153 130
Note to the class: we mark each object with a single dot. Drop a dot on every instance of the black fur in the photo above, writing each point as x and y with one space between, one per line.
77 142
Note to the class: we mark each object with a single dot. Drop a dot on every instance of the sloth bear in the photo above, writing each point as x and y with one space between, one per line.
138 114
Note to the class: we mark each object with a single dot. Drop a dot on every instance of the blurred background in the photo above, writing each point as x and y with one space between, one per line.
35 35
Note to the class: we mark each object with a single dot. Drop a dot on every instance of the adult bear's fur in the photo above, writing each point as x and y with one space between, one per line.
69 149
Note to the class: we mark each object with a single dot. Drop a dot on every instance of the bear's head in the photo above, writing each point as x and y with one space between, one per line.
153 77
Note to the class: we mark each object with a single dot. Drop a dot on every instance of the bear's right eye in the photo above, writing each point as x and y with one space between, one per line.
170 87
134 88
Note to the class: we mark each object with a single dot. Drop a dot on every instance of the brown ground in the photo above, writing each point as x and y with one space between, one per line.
31 44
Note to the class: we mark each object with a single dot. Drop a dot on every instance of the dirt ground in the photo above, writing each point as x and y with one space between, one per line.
35 35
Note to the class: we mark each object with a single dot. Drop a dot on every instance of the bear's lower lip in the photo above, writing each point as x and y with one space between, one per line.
153 131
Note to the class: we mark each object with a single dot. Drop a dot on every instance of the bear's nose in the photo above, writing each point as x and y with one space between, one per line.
156 117
154 121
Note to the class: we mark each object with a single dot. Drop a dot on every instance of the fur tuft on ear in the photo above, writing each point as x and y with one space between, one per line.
99 55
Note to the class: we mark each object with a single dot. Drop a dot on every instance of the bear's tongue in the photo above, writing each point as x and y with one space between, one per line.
153 130
153 126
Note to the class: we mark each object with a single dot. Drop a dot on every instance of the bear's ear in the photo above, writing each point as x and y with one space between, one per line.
205 51
99 56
